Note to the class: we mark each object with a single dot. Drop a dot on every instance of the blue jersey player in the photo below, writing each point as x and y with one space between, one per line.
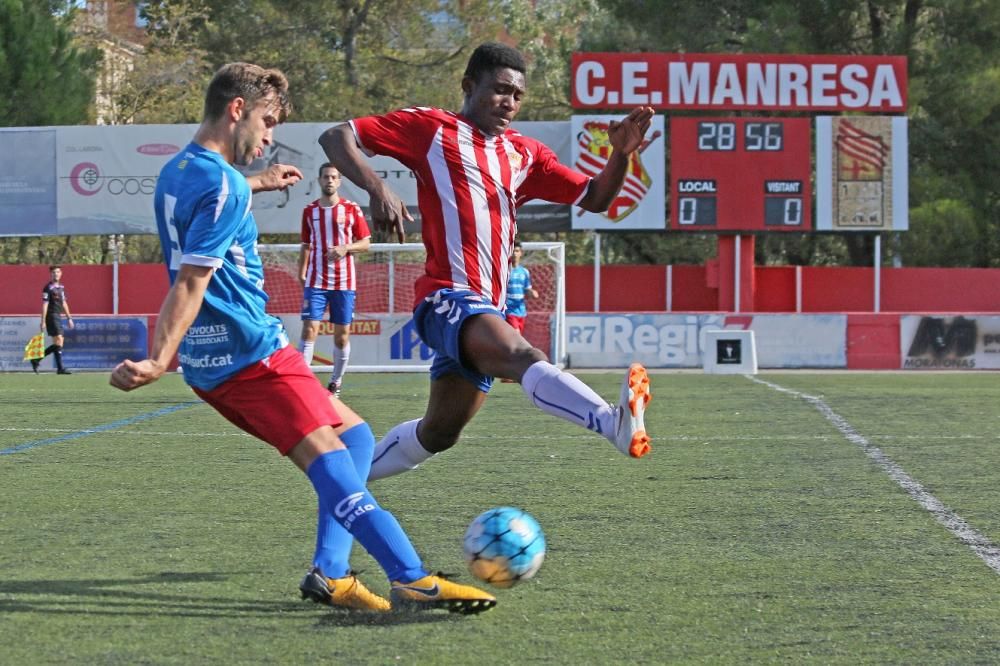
237 357
518 286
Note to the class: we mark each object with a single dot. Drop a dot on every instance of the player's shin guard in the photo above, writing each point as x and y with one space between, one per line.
399 451
561 394
333 542
346 498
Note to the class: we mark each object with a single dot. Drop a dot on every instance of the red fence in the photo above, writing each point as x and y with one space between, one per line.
623 289
823 289
89 289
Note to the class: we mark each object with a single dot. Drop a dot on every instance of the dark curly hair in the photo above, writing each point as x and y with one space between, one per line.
491 55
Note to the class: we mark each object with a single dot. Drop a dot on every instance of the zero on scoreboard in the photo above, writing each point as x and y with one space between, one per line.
740 174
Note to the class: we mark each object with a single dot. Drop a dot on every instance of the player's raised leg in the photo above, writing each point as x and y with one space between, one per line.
452 404
561 394
496 349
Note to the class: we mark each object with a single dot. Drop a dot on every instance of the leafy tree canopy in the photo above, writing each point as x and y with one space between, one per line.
46 79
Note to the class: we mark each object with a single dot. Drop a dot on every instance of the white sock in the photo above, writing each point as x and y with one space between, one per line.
340 357
399 451
306 347
561 394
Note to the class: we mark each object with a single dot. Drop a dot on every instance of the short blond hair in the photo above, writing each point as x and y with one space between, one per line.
251 82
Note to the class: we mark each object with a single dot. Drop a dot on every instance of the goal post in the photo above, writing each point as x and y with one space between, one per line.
383 338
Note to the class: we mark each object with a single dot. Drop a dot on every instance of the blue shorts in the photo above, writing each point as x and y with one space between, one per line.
314 302
439 320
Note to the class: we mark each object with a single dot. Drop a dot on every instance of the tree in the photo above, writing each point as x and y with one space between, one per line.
955 121
158 88
46 79
343 58
353 57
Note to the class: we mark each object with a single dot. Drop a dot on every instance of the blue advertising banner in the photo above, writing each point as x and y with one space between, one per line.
99 343
28 182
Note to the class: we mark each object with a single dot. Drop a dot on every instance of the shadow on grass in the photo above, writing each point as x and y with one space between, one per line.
129 597
341 617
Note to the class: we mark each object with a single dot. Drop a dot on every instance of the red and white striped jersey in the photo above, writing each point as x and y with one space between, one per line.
468 187
324 227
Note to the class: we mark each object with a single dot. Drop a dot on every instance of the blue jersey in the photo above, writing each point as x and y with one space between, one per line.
518 282
203 217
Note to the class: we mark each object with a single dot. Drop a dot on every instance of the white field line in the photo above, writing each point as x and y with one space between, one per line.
984 549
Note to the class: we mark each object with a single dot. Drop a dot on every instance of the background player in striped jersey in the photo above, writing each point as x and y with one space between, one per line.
333 231
472 172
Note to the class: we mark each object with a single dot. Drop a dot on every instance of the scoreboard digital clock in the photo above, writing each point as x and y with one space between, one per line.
740 174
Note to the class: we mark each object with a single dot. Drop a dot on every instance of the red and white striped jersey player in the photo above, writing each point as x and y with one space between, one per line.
472 172
333 231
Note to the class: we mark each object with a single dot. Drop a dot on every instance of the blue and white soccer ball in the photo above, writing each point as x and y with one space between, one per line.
504 546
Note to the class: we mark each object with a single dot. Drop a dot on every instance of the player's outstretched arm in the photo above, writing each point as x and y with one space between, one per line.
176 315
387 210
274 177
626 137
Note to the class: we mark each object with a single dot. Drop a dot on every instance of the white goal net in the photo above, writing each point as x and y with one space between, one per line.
382 336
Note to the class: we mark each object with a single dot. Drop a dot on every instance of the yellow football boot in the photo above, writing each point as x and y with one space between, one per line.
346 592
436 591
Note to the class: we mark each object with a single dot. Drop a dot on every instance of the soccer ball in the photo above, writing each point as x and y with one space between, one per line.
504 546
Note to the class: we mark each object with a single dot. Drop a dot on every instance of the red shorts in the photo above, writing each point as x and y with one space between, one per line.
516 322
278 400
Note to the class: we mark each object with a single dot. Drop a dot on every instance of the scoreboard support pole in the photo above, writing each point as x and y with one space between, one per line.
878 274
736 272
597 271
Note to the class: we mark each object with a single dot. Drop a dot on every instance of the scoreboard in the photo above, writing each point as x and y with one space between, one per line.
740 174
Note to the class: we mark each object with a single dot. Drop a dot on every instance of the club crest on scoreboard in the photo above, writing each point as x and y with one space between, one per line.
640 203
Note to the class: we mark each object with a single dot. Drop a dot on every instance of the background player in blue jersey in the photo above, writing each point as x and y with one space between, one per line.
518 286
237 357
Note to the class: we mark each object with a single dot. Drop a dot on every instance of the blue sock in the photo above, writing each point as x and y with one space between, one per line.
344 495
333 542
